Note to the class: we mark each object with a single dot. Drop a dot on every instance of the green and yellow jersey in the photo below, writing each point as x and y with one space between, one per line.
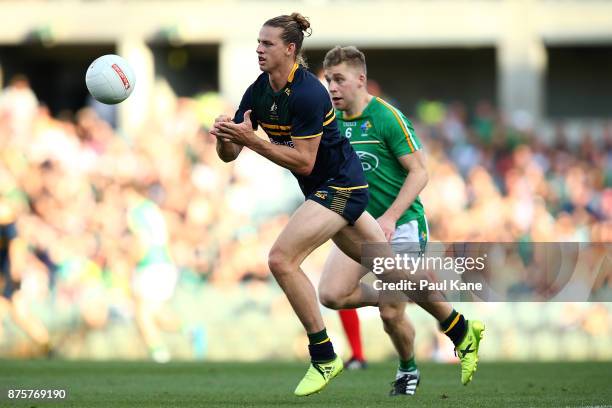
380 134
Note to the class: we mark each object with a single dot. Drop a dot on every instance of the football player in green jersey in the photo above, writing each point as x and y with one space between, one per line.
155 276
295 111
394 165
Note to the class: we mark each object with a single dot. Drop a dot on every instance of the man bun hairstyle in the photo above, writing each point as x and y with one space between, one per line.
294 27
350 55
302 22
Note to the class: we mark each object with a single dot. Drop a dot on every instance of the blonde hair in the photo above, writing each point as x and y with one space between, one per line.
351 55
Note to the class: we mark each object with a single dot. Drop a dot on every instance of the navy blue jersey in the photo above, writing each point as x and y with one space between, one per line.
302 109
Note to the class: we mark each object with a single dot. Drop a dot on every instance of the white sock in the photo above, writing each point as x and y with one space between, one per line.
401 373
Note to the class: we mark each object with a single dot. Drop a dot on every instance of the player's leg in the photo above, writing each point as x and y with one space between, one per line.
352 330
464 334
150 332
349 293
401 331
154 285
309 227
395 321
28 321
339 284
399 328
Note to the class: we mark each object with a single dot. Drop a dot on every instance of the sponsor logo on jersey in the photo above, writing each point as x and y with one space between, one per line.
273 108
369 161
347 124
322 194
288 91
283 142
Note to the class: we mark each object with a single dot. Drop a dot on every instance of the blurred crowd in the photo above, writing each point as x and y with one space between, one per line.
494 182
70 183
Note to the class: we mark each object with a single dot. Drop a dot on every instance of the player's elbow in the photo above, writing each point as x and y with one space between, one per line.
227 158
227 155
425 176
420 174
304 169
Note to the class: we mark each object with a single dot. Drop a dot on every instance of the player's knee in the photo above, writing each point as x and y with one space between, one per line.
391 315
278 263
330 299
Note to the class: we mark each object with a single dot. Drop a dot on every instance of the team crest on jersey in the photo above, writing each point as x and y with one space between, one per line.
288 91
274 112
366 125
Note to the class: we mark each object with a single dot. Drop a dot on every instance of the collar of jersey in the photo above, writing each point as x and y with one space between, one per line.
292 73
360 114
289 80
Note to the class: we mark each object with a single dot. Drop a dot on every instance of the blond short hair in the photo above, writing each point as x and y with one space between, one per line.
350 55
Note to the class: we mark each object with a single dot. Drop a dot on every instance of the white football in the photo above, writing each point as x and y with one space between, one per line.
110 79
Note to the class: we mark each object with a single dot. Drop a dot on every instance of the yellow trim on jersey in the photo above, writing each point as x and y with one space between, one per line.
271 133
292 73
367 142
348 188
330 120
347 117
307 137
271 126
400 121
330 112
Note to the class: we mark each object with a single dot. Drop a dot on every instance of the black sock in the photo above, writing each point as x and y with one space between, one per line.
321 348
454 327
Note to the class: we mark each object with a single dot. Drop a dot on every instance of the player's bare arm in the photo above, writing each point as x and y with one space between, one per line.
299 159
415 182
226 149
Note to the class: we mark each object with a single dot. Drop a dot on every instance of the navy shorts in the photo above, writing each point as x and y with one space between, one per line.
348 202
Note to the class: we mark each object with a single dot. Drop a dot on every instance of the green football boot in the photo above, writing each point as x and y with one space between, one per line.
318 376
467 350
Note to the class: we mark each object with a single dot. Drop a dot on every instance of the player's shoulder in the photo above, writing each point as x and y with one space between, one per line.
385 111
384 108
253 92
307 85
261 82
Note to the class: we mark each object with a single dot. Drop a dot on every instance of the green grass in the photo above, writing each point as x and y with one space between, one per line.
140 384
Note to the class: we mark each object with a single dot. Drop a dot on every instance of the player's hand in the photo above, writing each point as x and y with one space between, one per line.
241 134
215 128
221 119
387 224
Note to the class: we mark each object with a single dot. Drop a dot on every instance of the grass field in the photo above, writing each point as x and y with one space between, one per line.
140 384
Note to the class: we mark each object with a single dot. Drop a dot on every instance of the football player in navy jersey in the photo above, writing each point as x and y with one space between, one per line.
295 111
